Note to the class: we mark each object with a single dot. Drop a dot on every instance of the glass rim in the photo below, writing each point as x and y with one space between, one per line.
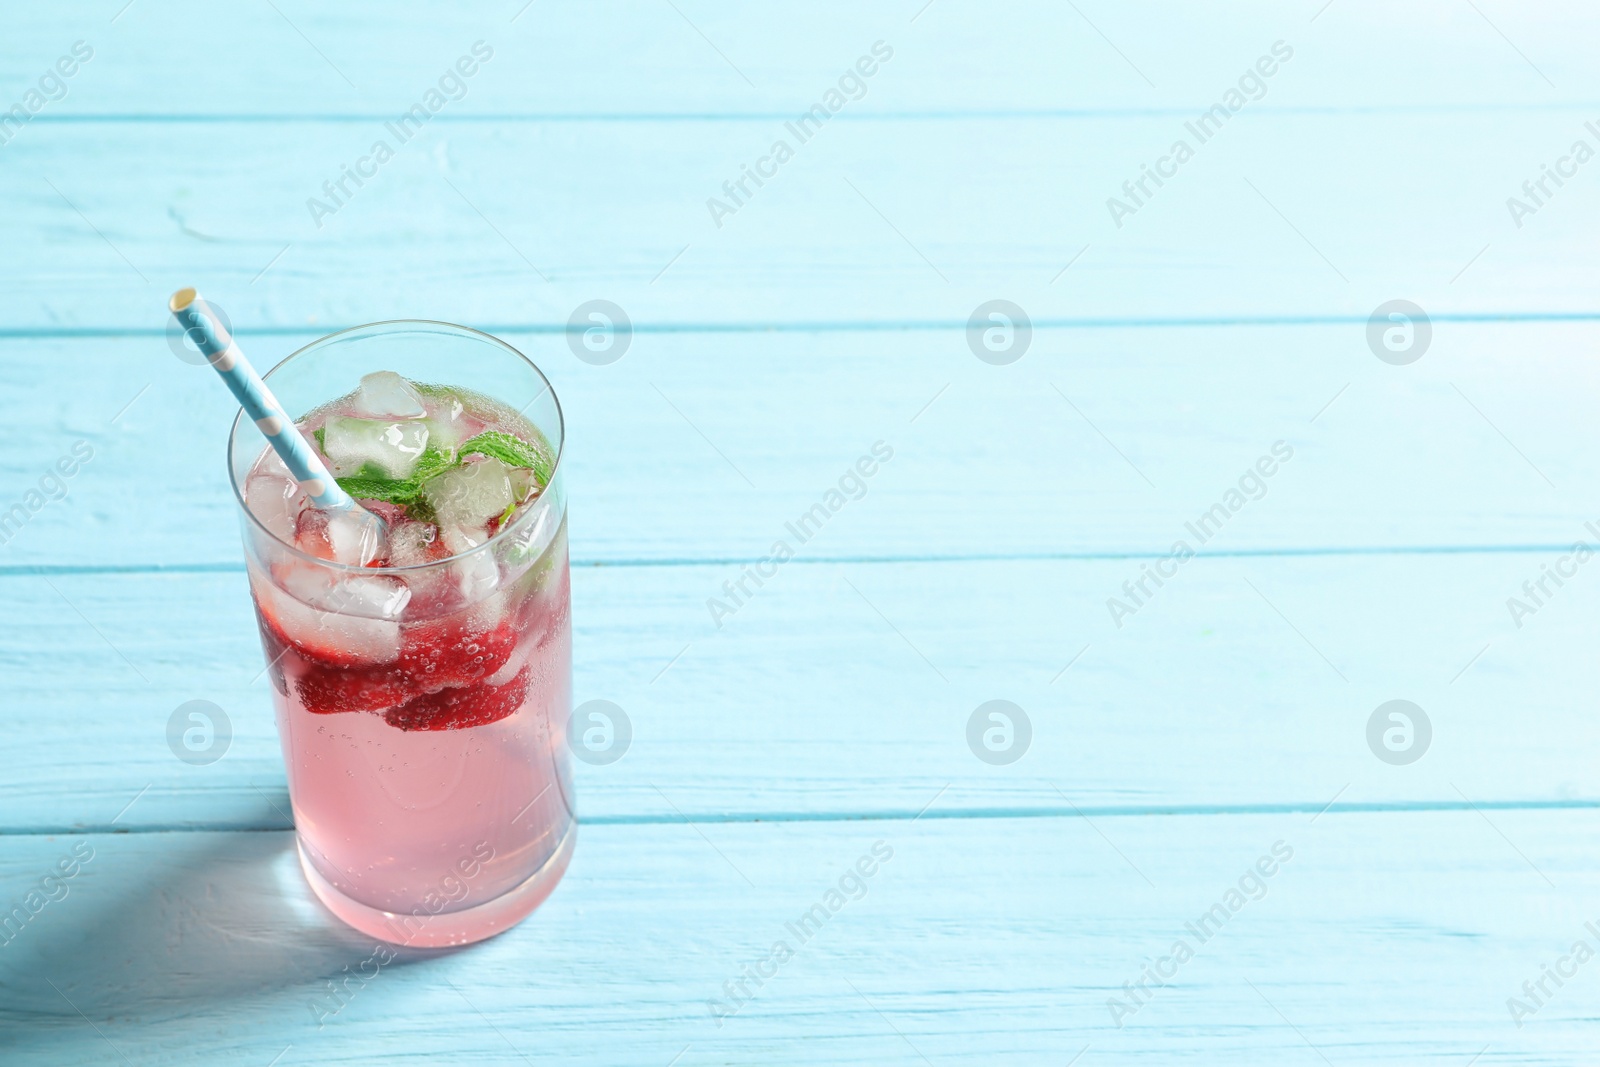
520 522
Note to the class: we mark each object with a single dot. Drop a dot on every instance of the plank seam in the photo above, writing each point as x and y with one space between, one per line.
863 117
34 333
1109 811
34 570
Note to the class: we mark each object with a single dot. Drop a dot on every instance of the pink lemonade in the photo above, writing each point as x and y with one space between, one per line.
422 684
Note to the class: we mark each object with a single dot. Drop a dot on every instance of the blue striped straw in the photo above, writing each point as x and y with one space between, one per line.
205 329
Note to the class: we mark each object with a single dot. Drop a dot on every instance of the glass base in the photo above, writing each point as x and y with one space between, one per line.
451 927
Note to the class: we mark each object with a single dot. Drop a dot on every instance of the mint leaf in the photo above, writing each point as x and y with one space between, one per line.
405 492
431 462
386 489
321 434
511 450
370 483
507 448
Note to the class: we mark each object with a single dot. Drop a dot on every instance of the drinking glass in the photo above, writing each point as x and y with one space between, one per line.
415 834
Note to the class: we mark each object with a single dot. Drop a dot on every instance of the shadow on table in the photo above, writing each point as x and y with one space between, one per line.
161 925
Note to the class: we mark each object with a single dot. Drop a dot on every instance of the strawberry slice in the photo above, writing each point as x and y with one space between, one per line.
445 653
458 709
331 690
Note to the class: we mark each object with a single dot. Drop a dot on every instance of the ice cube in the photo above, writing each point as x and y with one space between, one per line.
352 536
470 495
446 435
411 544
368 598
357 536
433 588
272 463
524 486
390 449
458 540
363 596
477 574
385 395
449 422
322 613
276 501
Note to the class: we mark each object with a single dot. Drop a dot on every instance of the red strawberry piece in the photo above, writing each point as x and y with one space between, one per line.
330 690
457 708
438 550
445 652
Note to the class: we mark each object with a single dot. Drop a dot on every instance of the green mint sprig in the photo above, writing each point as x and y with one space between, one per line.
511 450
371 484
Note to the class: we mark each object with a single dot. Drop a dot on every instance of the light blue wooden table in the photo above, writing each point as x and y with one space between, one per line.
1196 765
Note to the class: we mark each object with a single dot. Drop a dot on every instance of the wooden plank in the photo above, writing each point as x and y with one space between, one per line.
1230 711
1279 215
847 690
611 57
1098 442
995 941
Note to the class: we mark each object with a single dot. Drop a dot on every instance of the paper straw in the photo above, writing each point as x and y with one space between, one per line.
205 329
